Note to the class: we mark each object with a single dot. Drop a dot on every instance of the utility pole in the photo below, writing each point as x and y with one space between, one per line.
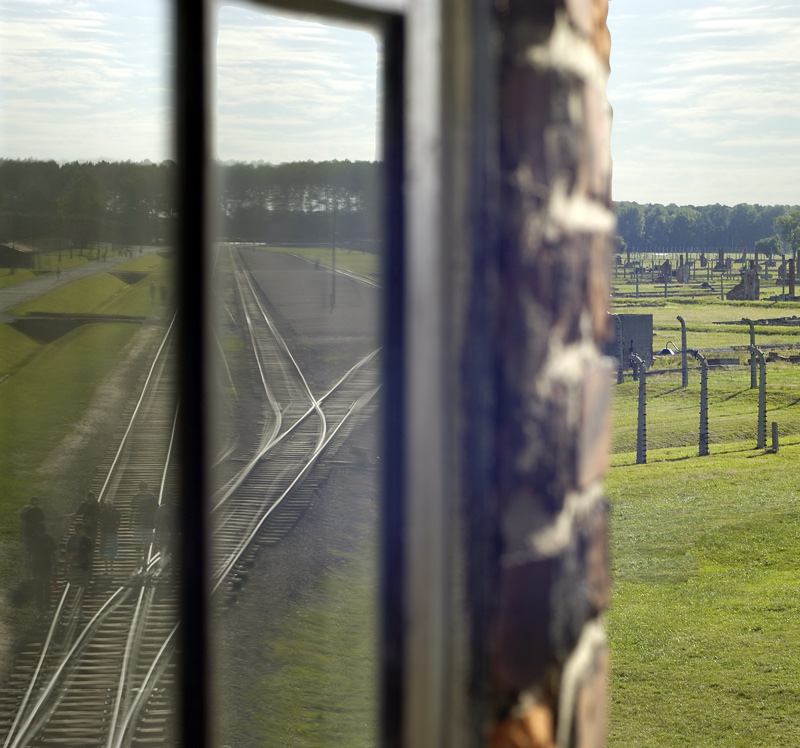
333 258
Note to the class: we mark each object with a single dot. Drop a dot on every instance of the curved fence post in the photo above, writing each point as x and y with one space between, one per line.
684 364
762 397
752 358
703 446
641 431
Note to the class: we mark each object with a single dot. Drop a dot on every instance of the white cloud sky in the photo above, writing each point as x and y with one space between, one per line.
706 102
291 90
705 94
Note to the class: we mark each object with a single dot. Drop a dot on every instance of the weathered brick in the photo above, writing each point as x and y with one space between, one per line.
597 144
591 708
594 537
535 728
602 37
598 289
595 427
582 15
522 648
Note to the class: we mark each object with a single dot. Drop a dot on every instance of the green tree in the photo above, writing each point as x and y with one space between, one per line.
769 246
788 226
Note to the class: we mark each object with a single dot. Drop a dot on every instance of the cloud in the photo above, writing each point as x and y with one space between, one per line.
79 78
290 89
704 94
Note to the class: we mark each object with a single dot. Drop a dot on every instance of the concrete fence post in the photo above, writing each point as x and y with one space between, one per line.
703 446
762 397
641 432
752 358
774 436
684 364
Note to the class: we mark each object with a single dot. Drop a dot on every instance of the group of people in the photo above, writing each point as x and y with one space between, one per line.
96 528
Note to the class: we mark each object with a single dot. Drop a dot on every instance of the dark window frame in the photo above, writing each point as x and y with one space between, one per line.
194 23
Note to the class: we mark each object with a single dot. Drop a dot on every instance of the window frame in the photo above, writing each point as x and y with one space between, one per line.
194 23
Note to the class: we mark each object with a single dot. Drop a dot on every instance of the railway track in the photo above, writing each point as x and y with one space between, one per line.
102 672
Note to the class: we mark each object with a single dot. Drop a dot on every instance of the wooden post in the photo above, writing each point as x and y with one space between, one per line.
774 436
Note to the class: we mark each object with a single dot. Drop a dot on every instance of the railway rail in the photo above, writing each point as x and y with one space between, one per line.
102 673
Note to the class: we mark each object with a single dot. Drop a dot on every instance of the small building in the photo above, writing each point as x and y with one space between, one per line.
16 255
633 334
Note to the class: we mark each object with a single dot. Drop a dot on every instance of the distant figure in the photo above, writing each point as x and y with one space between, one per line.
79 550
89 513
143 516
31 516
316 264
109 533
43 563
165 525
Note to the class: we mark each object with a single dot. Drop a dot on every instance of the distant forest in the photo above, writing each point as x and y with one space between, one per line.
659 228
45 204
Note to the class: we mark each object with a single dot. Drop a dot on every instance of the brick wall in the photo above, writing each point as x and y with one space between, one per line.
549 663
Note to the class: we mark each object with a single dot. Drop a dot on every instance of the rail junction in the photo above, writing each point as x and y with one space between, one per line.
103 671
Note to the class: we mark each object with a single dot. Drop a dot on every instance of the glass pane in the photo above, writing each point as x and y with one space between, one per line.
298 290
87 387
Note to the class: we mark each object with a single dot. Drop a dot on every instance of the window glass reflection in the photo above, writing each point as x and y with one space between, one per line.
87 386
298 294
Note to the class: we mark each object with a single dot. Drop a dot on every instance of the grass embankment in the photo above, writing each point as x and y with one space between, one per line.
365 263
46 263
323 691
47 387
703 622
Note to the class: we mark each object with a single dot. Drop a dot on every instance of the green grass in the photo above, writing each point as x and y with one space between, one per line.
366 263
9 277
706 551
104 293
323 689
703 624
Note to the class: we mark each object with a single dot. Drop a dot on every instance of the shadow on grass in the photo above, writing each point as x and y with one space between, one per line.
668 392
682 458
735 394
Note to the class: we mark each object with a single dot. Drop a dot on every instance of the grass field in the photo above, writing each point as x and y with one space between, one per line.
703 622
323 689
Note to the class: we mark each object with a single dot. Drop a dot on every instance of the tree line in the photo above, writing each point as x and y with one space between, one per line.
774 229
43 203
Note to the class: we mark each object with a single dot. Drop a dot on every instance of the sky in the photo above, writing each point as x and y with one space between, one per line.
706 100
705 94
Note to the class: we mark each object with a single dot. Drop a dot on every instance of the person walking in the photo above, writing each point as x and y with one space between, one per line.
109 535
89 513
43 563
143 515
79 550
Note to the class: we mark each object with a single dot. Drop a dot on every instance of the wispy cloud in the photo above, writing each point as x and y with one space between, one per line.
290 89
704 87
84 80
